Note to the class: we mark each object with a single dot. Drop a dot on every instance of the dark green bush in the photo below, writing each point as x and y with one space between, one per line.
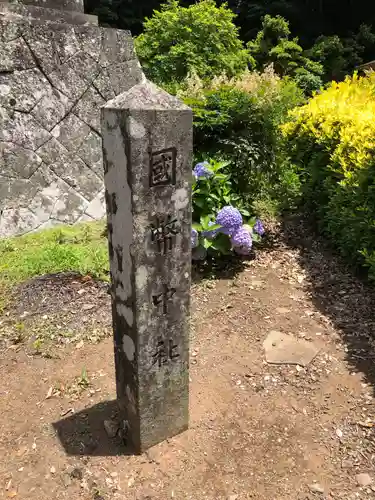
242 125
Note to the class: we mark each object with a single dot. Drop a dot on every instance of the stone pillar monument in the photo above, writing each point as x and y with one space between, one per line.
147 146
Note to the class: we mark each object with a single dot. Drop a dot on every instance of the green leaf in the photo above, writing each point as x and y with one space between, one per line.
207 243
222 244
205 219
214 226
197 227
200 202
252 221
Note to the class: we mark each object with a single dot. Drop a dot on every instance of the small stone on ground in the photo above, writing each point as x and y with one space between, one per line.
283 349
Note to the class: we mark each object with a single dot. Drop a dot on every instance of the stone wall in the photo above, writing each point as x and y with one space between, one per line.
54 78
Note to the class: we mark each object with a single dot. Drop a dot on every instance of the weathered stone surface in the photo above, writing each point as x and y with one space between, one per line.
21 90
283 349
15 221
16 12
16 161
8 32
124 76
16 192
71 132
43 177
44 201
65 43
65 79
47 69
39 39
90 151
75 173
103 85
75 5
51 109
96 208
69 207
51 151
89 39
21 129
15 55
85 66
88 108
117 46
148 199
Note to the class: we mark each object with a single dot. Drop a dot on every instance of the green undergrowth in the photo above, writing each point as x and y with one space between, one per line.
81 248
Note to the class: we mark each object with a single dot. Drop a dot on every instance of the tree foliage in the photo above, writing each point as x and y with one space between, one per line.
273 45
202 38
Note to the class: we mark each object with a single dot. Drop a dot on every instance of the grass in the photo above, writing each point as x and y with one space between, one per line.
81 248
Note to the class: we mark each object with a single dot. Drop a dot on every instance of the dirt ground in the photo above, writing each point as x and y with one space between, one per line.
257 431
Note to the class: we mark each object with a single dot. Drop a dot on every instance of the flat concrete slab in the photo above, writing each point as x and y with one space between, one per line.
284 349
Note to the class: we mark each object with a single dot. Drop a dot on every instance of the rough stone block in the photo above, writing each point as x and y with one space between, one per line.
90 150
123 76
51 151
147 145
9 31
117 46
85 66
88 108
44 201
44 176
15 221
65 79
15 55
96 208
89 39
39 39
64 42
103 85
74 5
71 132
51 109
21 129
16 192
17 161
69 207
78 175
19 12
21 90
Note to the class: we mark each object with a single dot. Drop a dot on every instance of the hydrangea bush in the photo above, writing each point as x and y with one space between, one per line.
221 224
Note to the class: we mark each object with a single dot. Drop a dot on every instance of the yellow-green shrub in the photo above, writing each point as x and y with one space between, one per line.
332 142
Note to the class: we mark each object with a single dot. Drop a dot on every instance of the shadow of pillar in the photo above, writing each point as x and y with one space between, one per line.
84 433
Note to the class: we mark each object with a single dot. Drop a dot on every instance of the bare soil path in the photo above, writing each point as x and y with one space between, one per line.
257 431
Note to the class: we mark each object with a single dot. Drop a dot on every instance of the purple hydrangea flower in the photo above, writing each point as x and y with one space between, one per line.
210 235
202 170
194 238
230 219
242 241
259 228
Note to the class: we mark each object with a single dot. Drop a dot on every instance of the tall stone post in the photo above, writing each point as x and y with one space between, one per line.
147 147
